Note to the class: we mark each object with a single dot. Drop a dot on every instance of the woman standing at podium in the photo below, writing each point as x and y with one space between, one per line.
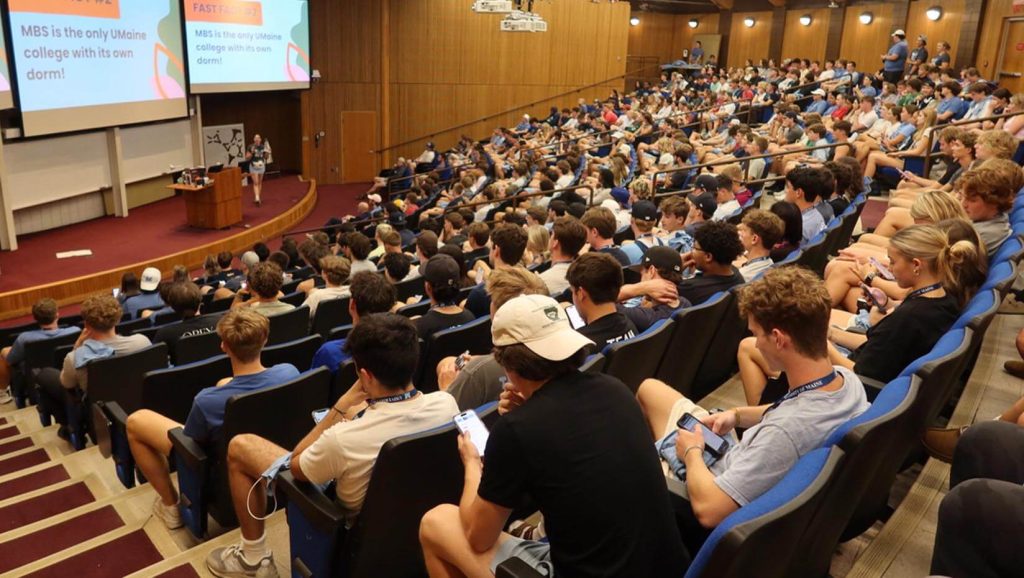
258 155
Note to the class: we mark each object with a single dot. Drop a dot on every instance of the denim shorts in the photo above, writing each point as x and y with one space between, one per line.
536 554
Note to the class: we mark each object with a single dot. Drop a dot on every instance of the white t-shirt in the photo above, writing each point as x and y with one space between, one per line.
347 451
554 278
725 209
324 294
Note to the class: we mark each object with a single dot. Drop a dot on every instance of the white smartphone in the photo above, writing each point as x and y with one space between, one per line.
320 414
115 292
575 319
469 422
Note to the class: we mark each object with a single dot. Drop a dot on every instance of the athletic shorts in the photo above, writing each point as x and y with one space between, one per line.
536 554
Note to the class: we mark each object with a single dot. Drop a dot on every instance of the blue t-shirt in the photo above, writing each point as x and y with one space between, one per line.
332 354
813 223
818 106
869 91
206 418
17 353
955 104
138 303
478 302
901 50
680 241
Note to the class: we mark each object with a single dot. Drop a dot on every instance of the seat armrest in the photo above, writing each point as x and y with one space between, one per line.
872 386
191 453
516 568
316 507
117 415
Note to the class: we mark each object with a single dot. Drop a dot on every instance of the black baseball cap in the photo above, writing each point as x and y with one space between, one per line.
706 182
706 201
662 258
442 271
645 211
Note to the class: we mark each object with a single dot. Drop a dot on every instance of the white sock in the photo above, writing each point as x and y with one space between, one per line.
254 550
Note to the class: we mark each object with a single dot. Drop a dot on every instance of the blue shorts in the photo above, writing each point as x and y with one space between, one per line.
536 554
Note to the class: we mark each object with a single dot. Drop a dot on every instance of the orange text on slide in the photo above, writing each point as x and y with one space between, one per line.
224 11
86 8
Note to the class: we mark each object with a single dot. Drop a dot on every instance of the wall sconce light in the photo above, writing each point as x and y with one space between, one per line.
748 22
693 23
634 21
866 17
933 13
805 20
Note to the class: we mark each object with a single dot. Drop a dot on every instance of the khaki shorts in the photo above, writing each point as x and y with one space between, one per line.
680 407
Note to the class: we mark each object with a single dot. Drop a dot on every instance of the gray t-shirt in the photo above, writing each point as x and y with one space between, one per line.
770 449
994 232
71 377
479 382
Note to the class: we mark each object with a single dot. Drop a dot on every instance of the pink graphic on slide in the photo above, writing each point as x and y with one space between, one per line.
295 72
165 86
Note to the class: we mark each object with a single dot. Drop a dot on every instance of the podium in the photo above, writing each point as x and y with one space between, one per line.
217 205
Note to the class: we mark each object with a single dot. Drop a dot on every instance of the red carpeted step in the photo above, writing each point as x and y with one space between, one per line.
38 545
9 432
34 458
34 481
3 420
186 571
16 445
41 507
120 557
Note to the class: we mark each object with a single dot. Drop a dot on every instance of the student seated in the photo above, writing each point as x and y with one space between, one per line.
45 314
263 292
243 334
600 225
382 405
787 310
335 271
987 194
185 299
442 279
508 244
807 187
594 525
594 281
371 294
479 380
98 340
759 232
716 245
660 264
568 236
149 298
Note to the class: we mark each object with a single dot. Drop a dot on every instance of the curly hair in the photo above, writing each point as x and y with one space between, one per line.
766 225
101 313
720 240
266 279
794 301
995 182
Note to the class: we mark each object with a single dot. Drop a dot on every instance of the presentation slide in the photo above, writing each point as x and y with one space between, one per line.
247 45
83 64
6 98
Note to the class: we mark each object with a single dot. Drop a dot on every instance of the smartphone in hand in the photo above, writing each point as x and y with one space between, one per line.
469 422
713 442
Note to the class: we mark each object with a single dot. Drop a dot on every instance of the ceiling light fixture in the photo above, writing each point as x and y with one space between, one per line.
866 17
693 23
634 21
933 13
748 22
805 20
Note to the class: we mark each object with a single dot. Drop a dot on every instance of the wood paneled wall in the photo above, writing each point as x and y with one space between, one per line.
271 114
866 43
799 41
991 36
666 35
746 42
946 28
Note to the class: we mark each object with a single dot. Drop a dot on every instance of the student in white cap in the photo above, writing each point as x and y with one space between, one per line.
578 445
894 61
150 296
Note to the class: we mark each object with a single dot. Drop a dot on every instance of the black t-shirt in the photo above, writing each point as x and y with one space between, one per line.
581 449
782 250
618 254
479 302
907 333
434 321
644 317
170 334
609 329
700 288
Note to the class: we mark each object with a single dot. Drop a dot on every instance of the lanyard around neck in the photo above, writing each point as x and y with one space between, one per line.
816 384
923 290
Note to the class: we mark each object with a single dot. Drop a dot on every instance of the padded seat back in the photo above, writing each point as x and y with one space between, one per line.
474 337
693 330
763 538
298 353
637 359
128 327
407 288
40 354
196 348
288 326
940 373
330 314
170 391
719 364
119 378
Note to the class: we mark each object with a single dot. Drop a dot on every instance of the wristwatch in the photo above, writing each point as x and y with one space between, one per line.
869 278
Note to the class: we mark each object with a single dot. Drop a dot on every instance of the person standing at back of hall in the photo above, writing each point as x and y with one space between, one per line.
895 60
259 156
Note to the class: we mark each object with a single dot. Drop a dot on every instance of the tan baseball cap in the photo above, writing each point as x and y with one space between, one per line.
537 322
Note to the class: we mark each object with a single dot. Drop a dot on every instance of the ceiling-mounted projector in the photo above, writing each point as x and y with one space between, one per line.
519 21
493 6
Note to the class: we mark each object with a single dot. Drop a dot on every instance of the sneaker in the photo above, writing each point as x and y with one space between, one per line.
941 442
1014 368
1013 304
5 396
230 563
169 515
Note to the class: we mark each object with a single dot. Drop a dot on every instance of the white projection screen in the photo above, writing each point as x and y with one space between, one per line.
247 45
90 64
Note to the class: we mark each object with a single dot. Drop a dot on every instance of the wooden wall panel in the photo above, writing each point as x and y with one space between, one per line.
462 67
799 41
665 36
866 43
996 11
706 24
746 42
272 114
946 28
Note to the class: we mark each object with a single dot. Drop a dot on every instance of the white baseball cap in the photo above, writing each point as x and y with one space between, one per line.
900 32
150 279
537 322
374 197
818 91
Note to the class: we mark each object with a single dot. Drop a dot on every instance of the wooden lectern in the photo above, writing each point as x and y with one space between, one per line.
214 206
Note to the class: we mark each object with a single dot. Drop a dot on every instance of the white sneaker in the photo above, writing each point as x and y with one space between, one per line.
230 563
169 515
5 396
1012 305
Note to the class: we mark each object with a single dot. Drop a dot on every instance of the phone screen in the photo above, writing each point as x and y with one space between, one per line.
712 441
574 317
115 292
470 422
882 269
320 414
